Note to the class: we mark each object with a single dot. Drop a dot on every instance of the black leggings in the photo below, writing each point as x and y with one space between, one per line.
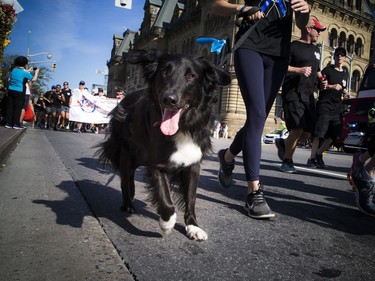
14 107
259 77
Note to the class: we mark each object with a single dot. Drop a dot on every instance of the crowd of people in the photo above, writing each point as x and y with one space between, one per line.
51 109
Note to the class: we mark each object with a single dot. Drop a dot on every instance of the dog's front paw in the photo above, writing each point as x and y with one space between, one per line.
127 209
167 226
196 233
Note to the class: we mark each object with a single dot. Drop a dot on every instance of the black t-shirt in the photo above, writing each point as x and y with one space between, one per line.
296 86
55 98
48 100
40 103
272 34
67 94
330 100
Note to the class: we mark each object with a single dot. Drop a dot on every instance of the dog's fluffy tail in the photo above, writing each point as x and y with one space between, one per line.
109 150
108 153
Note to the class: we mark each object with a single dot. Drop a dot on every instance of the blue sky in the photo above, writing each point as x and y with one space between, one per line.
77 33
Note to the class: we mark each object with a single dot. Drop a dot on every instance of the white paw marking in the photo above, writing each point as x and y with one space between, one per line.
187 153
196 233
168 225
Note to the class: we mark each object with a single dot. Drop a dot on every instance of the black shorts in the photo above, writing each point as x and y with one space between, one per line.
299 115
27 98
328 126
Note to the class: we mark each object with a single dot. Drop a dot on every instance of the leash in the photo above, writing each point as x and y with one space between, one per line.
237 44
217 45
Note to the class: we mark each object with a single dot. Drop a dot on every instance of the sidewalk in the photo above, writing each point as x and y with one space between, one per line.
35 244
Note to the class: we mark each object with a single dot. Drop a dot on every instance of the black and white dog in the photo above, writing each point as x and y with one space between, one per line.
166 128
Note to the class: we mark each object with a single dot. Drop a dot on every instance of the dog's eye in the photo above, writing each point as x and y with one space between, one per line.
163 71
190 76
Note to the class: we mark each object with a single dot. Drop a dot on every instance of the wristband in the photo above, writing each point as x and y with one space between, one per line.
243 8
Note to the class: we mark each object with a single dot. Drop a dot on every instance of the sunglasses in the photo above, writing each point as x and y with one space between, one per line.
317 29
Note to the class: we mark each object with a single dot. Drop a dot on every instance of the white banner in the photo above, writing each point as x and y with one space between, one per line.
87 108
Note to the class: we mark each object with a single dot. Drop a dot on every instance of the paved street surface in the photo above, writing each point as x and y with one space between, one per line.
61 221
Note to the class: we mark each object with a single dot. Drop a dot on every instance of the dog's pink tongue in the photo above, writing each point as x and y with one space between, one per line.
169 123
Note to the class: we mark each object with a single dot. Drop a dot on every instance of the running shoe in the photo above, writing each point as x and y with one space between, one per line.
18 127
288 167
256 205
225 171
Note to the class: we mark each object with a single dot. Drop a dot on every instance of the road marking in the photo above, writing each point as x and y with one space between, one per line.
315 171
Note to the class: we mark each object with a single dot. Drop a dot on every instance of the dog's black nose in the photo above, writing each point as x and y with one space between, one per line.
170 100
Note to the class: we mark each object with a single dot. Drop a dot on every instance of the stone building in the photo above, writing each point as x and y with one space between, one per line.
174 26
116 66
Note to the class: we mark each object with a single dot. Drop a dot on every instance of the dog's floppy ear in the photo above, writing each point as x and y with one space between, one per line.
147 59
214 75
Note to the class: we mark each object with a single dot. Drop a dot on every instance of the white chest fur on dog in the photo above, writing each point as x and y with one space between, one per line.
187 153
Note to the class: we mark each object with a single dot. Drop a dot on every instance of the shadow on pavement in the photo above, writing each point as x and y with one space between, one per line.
106 202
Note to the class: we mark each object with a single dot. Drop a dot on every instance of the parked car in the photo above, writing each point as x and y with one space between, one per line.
271 136
355 141
355 116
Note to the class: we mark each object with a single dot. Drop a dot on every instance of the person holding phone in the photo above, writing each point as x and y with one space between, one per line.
16 91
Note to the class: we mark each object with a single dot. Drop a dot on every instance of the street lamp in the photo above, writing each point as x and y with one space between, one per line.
49 56
350 71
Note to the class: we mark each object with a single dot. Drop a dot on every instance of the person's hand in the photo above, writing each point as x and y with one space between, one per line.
306 71
324 84
300 6
338 87
252 13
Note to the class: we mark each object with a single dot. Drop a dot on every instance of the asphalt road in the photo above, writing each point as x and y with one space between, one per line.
318 233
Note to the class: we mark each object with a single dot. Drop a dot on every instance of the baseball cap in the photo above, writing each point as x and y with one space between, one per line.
313 22
340 51
53 87
82 82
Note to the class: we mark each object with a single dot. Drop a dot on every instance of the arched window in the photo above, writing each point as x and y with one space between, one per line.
342 40
350 44
358 5
333 38
355 81
358 49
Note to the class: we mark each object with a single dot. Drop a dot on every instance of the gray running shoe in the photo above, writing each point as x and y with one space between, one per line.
225 170
256 205
280 144
363 186
319 161
288 167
